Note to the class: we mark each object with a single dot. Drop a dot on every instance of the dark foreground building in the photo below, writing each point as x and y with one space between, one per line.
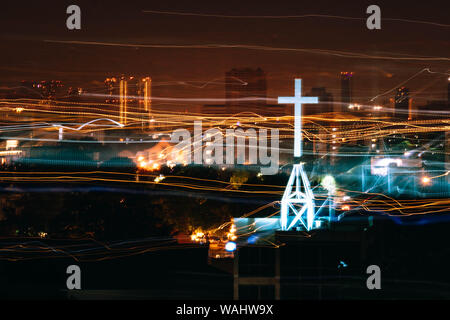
332 264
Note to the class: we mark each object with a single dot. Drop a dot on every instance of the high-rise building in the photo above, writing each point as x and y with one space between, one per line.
402 102
339 107
145 101
112 91
412 110
346 91
145 90
123 100
133 96
325 101
245 90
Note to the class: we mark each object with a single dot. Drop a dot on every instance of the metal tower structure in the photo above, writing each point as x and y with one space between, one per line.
298 197
298 201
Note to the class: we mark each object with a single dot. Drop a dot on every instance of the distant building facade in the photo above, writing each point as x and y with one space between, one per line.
325 101
48 90
402 102
245 90
346 91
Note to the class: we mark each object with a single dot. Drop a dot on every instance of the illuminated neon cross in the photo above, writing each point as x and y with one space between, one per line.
298 100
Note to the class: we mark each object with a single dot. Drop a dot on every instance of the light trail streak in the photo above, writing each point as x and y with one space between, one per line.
277 17
407 80
41 117
85 249
342 54
88 123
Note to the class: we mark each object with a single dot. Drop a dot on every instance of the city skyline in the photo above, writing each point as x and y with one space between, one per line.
64 55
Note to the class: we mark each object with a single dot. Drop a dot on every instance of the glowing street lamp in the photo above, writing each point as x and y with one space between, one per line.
230 246
426 181
329 184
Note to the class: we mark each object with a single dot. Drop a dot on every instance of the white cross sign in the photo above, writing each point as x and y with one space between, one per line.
298 100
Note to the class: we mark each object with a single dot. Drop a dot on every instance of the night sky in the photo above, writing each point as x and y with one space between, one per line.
26 28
